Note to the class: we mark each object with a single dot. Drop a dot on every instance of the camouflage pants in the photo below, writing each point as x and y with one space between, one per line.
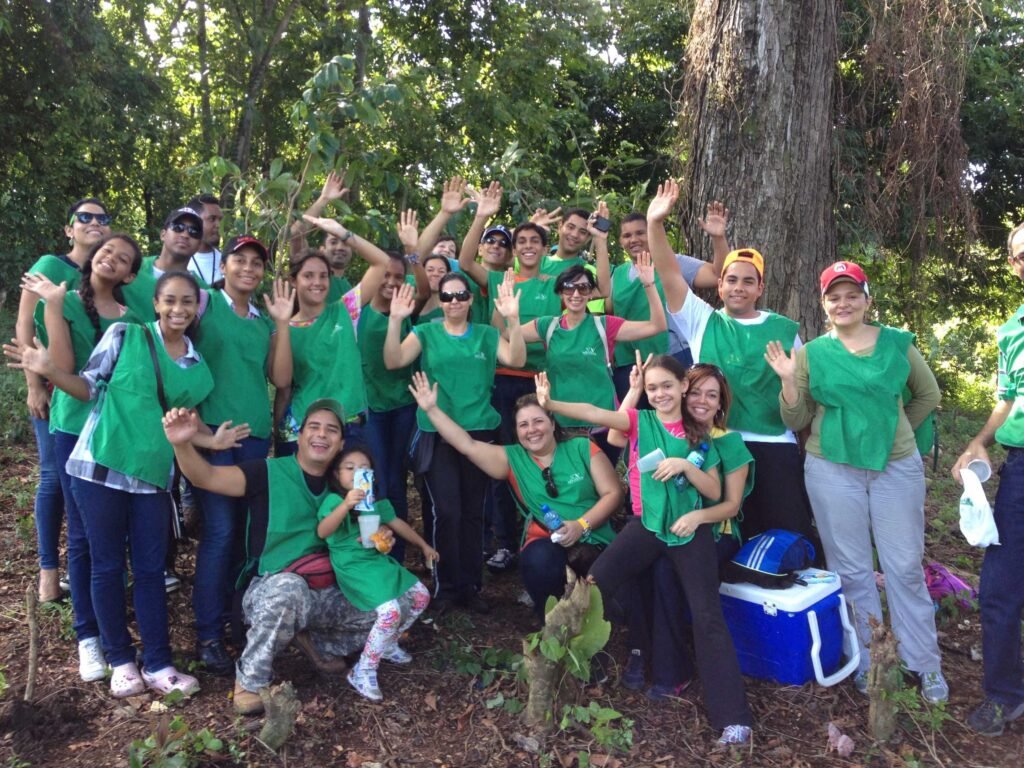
279 605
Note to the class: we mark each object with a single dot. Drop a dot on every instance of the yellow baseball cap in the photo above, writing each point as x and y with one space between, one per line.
749 255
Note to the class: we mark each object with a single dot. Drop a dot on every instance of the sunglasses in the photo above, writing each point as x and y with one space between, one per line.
583 289
496 241
448 297
84 217
193 231
549 482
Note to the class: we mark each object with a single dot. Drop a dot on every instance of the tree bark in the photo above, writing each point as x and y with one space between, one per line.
756 133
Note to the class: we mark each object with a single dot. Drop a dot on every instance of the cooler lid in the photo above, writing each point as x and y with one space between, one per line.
820 584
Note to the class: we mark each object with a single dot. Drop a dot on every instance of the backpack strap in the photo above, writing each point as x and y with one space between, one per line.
601 331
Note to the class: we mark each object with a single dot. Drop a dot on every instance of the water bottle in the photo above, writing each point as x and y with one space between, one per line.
551 519
695 457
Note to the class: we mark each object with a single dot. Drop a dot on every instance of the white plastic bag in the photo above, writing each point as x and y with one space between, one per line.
976 521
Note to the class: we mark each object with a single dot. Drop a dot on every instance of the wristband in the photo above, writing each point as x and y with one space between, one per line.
412 258
349 234
584 523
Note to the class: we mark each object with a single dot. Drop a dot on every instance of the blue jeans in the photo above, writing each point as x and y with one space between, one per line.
110 517
79 559
49 505
221 550
542 568
1002 589
388 434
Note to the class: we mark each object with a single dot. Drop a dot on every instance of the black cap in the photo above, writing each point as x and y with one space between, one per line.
237 243
181 213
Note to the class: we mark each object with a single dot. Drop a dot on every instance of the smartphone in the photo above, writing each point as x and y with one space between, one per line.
602 224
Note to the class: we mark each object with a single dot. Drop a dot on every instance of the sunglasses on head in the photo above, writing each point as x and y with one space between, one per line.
583 289
496 241
84 217
549 482
193 231
447 297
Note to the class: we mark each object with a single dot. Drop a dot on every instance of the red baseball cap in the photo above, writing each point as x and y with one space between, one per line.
844 270
237 243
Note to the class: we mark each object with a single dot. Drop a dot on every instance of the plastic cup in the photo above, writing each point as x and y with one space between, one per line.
981 468
368 525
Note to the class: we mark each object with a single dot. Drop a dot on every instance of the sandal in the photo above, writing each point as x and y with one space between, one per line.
125 681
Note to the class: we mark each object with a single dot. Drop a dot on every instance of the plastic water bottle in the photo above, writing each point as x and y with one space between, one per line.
695 457
551 519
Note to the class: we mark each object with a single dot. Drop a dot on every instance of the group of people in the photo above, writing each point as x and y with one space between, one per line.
509 379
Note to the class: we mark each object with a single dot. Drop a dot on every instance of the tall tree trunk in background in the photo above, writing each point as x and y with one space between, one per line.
756 133
205 115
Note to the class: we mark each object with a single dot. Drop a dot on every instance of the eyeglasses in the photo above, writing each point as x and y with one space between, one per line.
84 217
447 297
496 241
583 289
193 231
549 482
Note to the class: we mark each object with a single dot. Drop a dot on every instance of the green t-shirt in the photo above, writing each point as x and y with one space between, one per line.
463 368
577 365
537 298
630 302
1010 340
366 577
59 269
338 287
385 389
734 455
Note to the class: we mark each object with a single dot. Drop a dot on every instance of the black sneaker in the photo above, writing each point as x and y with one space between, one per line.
990 718
633 677
501 560
215 658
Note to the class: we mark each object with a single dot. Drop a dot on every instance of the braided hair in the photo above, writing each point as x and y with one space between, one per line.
85 289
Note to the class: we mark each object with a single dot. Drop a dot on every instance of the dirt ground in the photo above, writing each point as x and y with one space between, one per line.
451 707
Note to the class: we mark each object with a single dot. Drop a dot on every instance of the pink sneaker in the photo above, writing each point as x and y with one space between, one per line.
125 681
169 679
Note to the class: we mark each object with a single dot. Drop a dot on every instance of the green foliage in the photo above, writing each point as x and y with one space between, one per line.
60 612
174 745
4 685
489 664
608 727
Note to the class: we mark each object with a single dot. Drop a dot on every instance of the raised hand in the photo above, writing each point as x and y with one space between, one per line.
545 219
784 365
403 302
181 425
408 228
663 202
715 220
454 197
425 394
540 381
636 374
645 268
602 211
41 286
334 187
488 201
228 436
330 226
280 302
29 357
507 300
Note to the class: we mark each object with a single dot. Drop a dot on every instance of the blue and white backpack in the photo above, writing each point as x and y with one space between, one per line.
771 560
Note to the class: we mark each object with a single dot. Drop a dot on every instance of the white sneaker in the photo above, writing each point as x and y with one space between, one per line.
934 688
91 664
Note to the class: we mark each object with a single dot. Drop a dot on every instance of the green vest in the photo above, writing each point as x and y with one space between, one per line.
549 265
577 365
1010 340
138 294
738 349
69 414
537 298
129 431
570 471
463 369
291 521
436 315
630 301
861 395
326 363
338 287
734 454
664 503
236 349
57 270
385 389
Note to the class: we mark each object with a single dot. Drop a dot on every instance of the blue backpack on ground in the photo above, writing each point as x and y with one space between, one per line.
771 560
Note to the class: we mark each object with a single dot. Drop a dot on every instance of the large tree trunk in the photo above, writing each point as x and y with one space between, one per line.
756 133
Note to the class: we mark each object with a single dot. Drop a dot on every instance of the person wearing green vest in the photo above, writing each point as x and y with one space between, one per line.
125 474
370 579
70 324
733 338
180 238
283 496
391 415
435 266
544 468
672 469
864 475
244 347
628 299
1002 588
338 252
579 347
461 356
87 222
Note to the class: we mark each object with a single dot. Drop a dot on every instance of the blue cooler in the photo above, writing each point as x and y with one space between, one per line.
792 635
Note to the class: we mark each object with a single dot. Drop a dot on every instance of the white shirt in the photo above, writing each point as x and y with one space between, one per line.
206 266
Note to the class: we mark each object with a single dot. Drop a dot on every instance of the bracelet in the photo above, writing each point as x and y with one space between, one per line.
412 258
584 523
349 234
647 285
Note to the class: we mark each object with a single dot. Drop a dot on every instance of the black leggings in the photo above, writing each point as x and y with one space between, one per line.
696 565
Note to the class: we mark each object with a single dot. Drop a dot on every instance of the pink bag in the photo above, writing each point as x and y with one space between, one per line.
941 583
